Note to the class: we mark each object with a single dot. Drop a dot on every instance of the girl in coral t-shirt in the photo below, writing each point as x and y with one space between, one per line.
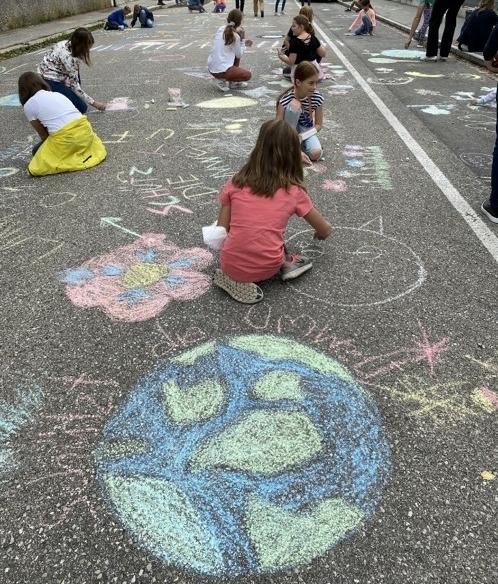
256 205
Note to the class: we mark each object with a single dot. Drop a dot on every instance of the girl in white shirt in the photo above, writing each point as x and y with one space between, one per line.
228 48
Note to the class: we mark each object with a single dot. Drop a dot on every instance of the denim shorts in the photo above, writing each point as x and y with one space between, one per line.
311 143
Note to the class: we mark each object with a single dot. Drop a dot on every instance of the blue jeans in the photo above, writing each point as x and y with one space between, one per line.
366 27
493 198
76 100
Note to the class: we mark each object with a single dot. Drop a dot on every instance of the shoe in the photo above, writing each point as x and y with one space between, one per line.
282 13
106 26
490 212
294 266
276 14
348 10
464 48
426 58
223 86
237 84
255 16
443 59
420 45
245 292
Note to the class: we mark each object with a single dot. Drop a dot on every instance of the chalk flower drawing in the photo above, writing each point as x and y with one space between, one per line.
137 281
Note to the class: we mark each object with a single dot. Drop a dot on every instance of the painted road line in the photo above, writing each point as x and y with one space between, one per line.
478 226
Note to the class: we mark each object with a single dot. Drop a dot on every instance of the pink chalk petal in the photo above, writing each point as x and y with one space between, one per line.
143 309
95 292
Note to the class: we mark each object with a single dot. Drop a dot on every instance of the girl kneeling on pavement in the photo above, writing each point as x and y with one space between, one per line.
68 142
228 48
256 205
302 107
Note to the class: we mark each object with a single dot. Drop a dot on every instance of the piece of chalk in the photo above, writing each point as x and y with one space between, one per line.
171 109
152 101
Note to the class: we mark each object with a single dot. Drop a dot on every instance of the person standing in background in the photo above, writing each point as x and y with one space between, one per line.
490 207
449 9
425 9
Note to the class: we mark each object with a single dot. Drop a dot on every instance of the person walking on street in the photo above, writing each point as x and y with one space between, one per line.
441 8
490 207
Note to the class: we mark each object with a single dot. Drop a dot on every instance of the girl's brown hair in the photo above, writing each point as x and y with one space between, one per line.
307 11
81 41
275 162
234 19
486 5
304 22
30 83
303 71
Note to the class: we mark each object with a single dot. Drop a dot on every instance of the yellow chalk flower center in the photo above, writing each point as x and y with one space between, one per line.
143 274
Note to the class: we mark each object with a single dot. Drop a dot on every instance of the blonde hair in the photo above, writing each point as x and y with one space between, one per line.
275 161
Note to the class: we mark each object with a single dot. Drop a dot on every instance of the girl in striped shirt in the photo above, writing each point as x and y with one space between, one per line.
302 107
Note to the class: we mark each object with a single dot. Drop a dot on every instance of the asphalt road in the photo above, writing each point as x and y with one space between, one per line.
342 431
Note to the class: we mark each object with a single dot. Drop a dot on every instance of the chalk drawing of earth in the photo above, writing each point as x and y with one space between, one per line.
244 455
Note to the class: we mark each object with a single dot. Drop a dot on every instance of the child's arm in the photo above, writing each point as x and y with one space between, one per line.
357 20
321 226
40 129
373 21
224 217
415 23
319 118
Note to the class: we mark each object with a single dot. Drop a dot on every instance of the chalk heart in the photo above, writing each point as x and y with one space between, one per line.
245 455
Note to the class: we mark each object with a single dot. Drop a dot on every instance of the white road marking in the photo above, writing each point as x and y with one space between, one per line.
488 239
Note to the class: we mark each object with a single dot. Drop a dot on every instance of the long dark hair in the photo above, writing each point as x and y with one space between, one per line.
30 83
80 42
234 19
275 161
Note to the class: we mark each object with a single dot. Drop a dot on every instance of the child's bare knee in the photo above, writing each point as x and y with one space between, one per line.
315 154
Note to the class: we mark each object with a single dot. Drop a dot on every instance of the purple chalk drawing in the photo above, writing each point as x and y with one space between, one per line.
339 186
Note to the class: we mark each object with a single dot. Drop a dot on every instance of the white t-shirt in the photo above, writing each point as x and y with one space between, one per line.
222 56
53 110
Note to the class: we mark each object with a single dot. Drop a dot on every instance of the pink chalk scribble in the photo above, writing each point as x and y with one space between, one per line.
491 396
338 186
137 281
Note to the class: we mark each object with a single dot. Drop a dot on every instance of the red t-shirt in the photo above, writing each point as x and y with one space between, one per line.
254 248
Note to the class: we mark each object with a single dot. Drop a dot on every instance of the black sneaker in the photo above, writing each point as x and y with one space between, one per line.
490 211
294 266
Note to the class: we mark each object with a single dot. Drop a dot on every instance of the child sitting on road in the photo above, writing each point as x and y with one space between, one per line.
143 15
256 205
195 5
365 19
116 20
302 107
68 142
219 6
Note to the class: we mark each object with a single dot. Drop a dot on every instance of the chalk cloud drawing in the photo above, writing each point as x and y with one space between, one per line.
390 81
10 100
244 455
228 102
137 281
119 104
363 268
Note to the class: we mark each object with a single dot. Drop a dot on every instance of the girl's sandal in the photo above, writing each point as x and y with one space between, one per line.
245 292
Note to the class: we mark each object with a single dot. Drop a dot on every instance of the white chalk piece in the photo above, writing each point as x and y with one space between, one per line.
152 101
146 106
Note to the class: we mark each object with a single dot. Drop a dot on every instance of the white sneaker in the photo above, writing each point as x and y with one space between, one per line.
121 27
237 84
425 58
222 86
282 13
